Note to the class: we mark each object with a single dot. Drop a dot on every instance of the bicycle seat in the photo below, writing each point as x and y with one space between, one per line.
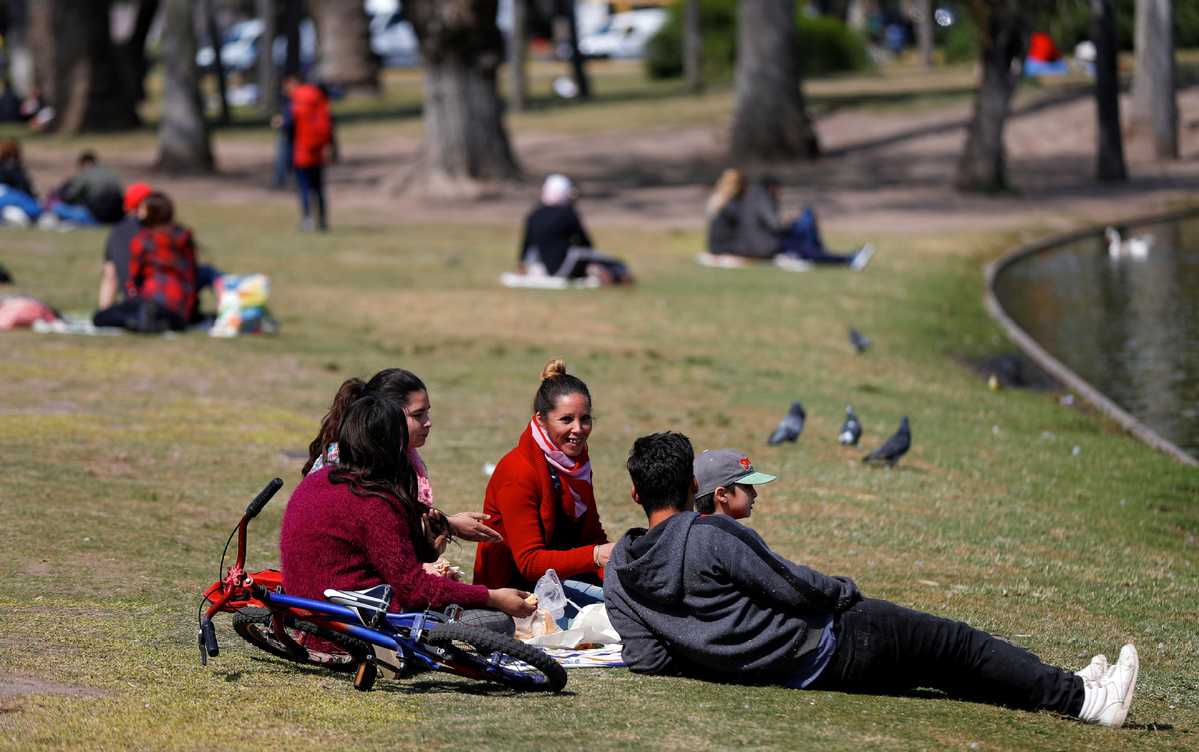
371 606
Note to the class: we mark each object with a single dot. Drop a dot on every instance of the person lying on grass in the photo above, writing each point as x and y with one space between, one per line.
358 524
706 597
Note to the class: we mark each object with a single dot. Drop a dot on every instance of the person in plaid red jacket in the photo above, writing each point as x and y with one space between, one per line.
161 286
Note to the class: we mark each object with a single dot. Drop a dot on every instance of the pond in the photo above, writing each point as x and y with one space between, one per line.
1129 325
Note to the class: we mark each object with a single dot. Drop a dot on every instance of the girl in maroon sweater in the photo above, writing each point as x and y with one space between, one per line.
357 524
407 388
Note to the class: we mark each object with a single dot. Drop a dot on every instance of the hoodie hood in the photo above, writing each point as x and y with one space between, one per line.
649 564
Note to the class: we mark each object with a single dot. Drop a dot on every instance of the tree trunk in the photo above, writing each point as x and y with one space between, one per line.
465 151
1001 24
16 44
1154 101
182 133
693 46
131 54
924 31
75 67
1107 91
293 12
517 52
855 15
769 121
222 83
267 88
344 54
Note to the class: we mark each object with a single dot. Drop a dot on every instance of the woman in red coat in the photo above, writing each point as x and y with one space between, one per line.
541 501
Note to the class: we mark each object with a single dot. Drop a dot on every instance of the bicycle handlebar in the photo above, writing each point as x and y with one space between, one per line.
261 499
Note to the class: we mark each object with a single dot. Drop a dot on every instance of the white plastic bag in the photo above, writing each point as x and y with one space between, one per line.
551 605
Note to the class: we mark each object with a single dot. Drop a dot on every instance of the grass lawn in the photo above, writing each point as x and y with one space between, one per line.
125 462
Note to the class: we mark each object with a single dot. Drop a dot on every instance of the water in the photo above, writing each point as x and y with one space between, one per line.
1129 327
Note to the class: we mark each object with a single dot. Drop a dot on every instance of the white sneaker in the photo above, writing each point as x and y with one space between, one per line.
1095 671
862 257
789 264
1107 700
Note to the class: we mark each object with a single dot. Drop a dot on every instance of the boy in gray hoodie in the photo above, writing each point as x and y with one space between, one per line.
704 596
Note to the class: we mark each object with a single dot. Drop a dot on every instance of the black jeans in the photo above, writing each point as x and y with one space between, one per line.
132 314
887 649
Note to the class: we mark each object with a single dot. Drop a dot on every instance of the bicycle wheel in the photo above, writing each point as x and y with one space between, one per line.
318 646
483 654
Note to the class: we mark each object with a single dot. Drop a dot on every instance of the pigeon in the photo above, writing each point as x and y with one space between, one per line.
893 448
851 429
860 342
790 427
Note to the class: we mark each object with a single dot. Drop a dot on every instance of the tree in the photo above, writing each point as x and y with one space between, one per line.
1107 91
16 44
1004 38
693 43
517 52
1154 101
75 66
344 46
924 31
182 132
268 94
769 121
465 149
131 54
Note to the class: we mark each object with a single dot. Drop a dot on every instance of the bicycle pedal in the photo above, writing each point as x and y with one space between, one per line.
364 679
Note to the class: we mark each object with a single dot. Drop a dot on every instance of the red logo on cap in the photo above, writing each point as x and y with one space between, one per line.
745 462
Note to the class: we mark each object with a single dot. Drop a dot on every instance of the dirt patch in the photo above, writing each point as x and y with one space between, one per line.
13 686
882 173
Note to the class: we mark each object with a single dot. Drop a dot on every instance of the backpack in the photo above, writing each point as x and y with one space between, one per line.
313 125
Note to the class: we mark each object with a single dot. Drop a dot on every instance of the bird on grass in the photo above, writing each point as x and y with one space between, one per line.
790 427
860 342
893 448
851 429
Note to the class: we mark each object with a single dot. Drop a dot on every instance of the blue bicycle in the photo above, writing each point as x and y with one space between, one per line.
356 631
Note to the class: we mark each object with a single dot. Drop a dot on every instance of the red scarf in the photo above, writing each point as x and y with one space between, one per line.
574 473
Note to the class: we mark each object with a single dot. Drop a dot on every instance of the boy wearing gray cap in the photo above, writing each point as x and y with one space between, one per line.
726 480
704 596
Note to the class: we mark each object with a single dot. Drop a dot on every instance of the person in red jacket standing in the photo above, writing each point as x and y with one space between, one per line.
310 123
541 501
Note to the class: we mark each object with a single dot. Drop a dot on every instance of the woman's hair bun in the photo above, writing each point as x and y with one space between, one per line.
555 367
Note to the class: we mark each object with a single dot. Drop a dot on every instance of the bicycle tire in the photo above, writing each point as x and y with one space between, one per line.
483 654
489 618
321 647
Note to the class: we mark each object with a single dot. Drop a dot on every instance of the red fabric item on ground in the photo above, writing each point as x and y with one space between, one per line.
21 310
1041 47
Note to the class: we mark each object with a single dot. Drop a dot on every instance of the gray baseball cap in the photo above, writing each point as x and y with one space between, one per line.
724 467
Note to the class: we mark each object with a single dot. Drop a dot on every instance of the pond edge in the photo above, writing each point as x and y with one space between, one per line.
1052 365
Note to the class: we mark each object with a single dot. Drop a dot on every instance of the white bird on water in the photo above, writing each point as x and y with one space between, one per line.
1135 248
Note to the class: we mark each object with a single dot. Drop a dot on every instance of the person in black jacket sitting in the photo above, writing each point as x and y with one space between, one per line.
556 244
704 596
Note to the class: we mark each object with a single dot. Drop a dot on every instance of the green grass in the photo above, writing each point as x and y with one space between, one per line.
125 462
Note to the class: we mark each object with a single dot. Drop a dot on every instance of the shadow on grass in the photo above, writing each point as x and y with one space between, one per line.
463 686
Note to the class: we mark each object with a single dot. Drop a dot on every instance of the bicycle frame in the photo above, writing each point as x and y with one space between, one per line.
401 635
